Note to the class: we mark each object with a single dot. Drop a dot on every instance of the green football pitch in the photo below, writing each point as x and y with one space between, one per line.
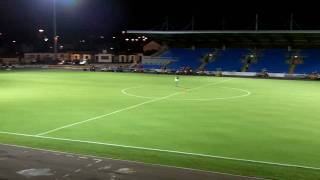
252 127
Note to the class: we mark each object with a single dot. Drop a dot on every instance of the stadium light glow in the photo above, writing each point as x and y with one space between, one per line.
46 39
127 39
55 36
41 30
14 41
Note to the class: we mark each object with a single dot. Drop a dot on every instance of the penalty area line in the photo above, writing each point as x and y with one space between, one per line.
162 150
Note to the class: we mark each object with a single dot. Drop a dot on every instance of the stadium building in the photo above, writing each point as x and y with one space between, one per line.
236 52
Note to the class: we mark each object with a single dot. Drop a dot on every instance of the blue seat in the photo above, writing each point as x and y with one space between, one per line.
273 60
228 60
186 57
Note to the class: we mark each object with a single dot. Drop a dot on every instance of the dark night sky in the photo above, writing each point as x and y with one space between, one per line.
80 19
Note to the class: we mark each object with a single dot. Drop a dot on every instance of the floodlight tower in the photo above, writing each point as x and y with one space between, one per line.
55 37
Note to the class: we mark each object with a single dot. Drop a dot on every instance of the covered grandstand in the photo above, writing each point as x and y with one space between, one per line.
275 51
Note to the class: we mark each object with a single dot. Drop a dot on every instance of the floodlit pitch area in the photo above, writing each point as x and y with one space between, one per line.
253 127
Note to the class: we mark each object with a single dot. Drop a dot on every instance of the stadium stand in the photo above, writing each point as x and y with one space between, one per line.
271 60
280 52
156 62
186 57
228 60
311 61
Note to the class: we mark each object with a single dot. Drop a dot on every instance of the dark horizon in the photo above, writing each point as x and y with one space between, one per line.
85 19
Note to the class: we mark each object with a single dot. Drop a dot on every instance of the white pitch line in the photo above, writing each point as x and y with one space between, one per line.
124 91
104 115
163 151
124 109
247 93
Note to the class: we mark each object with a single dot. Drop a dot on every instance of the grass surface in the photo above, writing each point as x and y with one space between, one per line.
277 122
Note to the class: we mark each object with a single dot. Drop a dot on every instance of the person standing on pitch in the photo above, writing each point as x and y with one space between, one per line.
176 80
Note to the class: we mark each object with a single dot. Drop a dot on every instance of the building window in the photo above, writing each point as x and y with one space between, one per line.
105 57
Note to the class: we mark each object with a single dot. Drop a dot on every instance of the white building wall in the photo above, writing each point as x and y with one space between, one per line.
123 59
104 58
